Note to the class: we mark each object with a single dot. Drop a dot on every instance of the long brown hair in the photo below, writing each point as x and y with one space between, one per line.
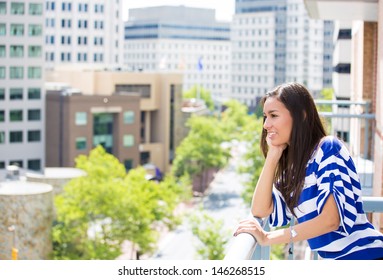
307 131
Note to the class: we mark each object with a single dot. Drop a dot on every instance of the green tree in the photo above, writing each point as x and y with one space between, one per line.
326 94
253 159
211 235
201 149
203 94
97 212
234 120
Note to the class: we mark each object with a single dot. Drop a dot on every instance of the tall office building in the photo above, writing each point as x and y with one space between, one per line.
183 40
328 52
43 35
21 84
275 42
84 34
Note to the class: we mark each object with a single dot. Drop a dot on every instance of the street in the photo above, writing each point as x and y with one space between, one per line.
222 201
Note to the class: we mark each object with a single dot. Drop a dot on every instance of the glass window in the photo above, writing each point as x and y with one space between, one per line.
2 93
128 140
17 29
2 51
2 115
128 163
3 8
16 72
16 94
15 136
17 51
81 118
34 93
128 117
34 135
3 29
18 163
81 143
34 51
2 137
35 30
34 72
34 164
17 8
2 164
16 115
34 114
35 9
2 72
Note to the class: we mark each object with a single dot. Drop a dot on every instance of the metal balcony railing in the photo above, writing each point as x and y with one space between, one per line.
353 123
245 247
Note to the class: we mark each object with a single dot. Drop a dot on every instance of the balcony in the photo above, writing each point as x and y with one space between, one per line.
351 122
245 247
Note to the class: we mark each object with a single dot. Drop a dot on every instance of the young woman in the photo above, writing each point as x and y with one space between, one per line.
310 176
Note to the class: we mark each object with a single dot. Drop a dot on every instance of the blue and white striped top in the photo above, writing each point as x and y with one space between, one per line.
332 171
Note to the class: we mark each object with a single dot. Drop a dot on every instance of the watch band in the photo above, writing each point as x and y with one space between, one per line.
293 234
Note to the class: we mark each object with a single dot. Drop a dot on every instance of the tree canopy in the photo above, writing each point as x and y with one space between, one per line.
97 212
199 92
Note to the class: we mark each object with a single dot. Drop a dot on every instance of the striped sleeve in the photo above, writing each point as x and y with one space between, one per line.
281 215
336 175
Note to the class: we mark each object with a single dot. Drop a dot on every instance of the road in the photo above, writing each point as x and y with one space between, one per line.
223 201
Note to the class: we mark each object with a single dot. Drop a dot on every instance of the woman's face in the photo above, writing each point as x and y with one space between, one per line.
278 122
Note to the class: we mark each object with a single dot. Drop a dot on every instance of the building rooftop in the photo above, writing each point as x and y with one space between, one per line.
13 188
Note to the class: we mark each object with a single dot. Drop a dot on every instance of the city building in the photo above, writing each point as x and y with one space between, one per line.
366 72
21 85
275 42
180 39
341 76
38 36
76 123
132 115
328 50
88 34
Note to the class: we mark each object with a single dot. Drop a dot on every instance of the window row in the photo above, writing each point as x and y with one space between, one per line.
81 118
18 8
17 115
189 47
18 29
18 94
81 40
17 72
32 164
81 24
67 7
17 136
67 57
19 51
82 143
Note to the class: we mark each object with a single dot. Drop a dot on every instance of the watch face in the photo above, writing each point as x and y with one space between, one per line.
293 233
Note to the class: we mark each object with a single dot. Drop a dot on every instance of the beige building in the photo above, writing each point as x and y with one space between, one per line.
367 65
133 115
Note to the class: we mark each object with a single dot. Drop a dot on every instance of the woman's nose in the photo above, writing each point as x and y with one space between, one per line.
266 124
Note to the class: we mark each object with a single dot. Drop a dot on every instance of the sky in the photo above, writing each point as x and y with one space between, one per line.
224 8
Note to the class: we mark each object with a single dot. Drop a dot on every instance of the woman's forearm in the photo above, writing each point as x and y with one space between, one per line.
262 198
326 222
